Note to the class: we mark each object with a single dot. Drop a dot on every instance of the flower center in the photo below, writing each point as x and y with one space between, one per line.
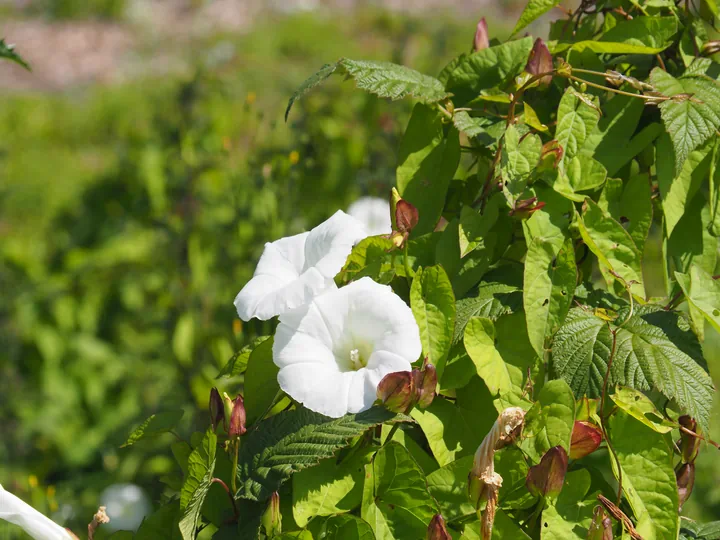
354 355
356 361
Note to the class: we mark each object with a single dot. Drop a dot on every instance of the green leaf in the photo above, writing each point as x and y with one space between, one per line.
576 120
329 487
550 280
640 35
519 159
448 485
677 189
201 465
7 50
531 118
154 425
639 406
533 10
238 363
702 292
456 430
654 349
345 527
261 384
613 247
183 340
469 125
689 121
550 421
161 524
570 515
691 241
488 68
630 204
582 173
614 130
384 79
503 528
648 479
370 257
433 305
294 440
396 502
499 376
428 158
474 227
550 224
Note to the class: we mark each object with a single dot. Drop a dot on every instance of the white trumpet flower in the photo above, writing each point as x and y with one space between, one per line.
374 213
20 513
295 269
334 351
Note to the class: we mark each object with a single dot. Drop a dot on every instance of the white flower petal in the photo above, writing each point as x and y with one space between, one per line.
349 339
374 213
20 513
293 270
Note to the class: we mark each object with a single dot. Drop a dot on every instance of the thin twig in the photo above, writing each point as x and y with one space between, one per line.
227 490
697 435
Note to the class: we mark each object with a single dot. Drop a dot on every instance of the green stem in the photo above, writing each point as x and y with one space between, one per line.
233 478
406 261
616 91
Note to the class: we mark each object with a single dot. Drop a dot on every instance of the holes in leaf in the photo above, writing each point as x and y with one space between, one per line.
545 303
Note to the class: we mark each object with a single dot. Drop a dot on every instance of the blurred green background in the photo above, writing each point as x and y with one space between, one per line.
143 164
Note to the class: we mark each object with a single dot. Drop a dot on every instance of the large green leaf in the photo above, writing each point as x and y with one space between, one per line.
456 430
534 9
384 79
613 247
576 120
703 293
433 305
370 257
499 376
692 119
428 157
641 407
550 224
345 527
640 35
582 173
654 349
519 159
630 204
614 130
469 125
550 280
570 515
161 422
448 485
261 384
329 487
201 465
648 479
396 502
161 524
239 361
488 68
691 242
550 421
677 189
294 440
474 227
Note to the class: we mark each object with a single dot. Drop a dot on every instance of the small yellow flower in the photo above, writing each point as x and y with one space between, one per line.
33 481
294 157
251 97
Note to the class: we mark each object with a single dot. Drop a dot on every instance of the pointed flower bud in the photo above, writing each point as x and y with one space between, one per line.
600 526
540 61
425 382
586 438
689 445
482 39
524 209
237 418
396 391
406 216
437 530
217 409
685 478
546 478
272 518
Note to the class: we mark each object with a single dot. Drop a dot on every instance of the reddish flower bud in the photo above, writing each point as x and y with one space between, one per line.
396 391
237 418
552 154
600 526
524 209
685 478
437 530
406 216
425 383
586 438
546 478
272 518
689 445
217 409
482 39
540 61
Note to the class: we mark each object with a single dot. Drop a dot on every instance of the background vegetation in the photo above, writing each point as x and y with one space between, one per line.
131 214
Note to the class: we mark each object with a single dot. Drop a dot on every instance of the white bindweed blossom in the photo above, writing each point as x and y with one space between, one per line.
295 269
374 213
20 513
334 351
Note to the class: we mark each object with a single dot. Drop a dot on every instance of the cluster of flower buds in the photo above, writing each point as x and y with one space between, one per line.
404 217
436 529
231 412
403 390
547 477
689 446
